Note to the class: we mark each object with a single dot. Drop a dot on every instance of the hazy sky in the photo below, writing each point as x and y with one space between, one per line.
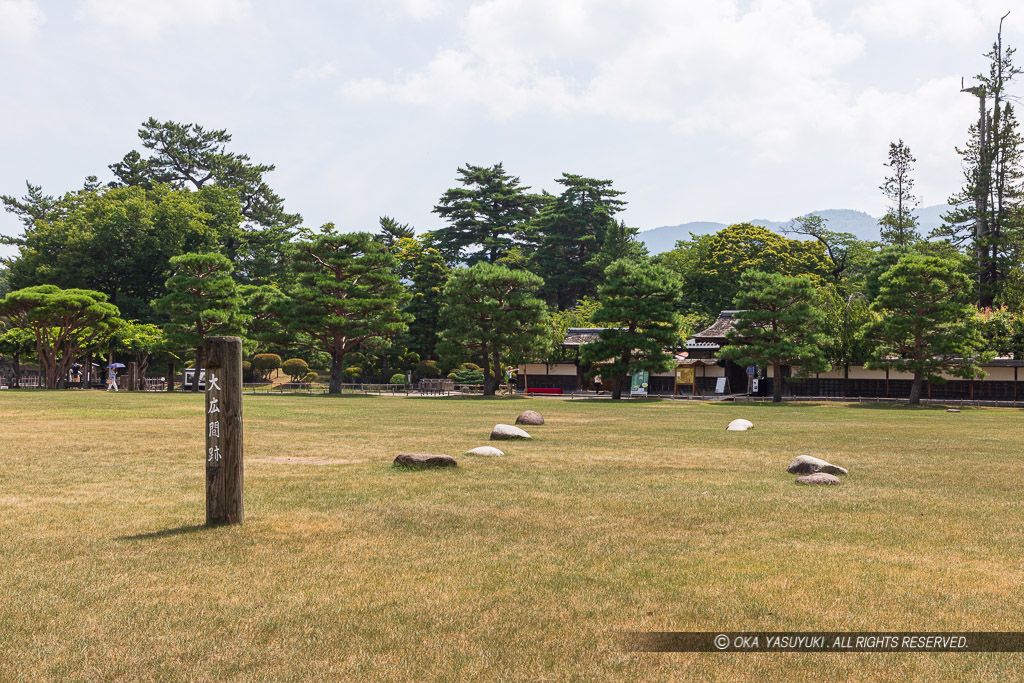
721 110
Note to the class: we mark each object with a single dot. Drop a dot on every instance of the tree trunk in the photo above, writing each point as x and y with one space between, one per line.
17 371
334 386
915 390
492 378
777 383
170 375
617 387
199 369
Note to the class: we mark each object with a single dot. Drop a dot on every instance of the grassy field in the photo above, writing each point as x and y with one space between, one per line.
617 517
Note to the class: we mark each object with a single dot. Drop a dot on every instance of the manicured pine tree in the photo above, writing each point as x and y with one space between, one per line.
926 325
346 294
202 300
776 325
65 324
638 304
493 313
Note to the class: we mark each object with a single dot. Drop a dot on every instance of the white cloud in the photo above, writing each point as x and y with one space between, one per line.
765 72
20 20
424 9
150 18
315 73
961 21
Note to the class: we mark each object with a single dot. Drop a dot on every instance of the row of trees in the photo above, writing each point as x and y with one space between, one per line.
188 239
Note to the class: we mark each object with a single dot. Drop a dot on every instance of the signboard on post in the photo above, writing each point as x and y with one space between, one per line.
223 429
720 385
640 383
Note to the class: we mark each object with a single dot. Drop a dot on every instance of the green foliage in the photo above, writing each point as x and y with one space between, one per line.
493 312
640 299
842 320
120 241
352 374
427 272
848 257
1003 331
570 233
346 295
486 217
926 325
899 224
397 378
65 323
711 265
202 300
426 369
140 341
296 368
776 325
467 376
247 374
310 377
265 363
986 219
392 233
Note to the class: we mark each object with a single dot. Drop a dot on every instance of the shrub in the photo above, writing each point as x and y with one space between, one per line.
247 375
472 366
397 378
352 373
310 377
296 368
452 375
265 363
468 377
427 368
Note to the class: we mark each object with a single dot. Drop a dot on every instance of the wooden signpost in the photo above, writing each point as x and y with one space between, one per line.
223 428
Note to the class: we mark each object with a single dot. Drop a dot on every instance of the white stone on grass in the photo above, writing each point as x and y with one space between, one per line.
808 464
739 425
485 450
508 432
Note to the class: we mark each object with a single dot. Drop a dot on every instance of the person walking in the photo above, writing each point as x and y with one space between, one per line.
111 379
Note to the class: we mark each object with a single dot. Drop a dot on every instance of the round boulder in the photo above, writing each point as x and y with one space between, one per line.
485 450
819 479
530 417
421 460
739 425
507 433
807 464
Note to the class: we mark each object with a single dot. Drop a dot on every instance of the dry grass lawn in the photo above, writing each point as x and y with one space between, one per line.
617 517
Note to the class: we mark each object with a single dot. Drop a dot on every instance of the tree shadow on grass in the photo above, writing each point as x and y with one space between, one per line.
165 533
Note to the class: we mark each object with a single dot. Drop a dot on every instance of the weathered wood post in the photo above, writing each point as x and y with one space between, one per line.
170 375
223 427
132 377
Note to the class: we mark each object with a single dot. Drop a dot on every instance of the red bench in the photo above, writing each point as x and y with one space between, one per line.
544 390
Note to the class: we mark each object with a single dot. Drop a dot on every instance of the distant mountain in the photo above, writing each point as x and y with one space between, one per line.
862 225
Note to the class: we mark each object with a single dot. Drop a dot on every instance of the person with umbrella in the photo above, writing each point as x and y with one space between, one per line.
112 376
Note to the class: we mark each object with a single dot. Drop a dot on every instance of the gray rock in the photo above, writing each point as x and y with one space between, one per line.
952 410
507 432
423 460
530 417
484 450
807 464
739 425
819 479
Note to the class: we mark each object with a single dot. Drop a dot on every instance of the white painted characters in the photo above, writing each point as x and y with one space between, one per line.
214 454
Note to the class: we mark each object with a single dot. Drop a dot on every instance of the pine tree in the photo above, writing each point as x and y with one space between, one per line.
346 294
776 325
493 312
487 217
638 304
987 218
899 224
570 233
202 300
926 325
